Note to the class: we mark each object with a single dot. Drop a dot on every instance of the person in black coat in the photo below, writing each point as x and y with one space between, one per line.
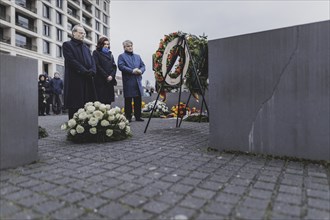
43 94
105 78
79 73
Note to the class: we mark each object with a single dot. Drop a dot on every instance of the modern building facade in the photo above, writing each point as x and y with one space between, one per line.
38 28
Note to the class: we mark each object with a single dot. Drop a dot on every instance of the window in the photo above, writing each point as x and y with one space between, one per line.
59 35
70 26
98 2
97 25
105 18
46 11
58 18
46 48
2 11
22 21
22 41
59 51
97 13
46 29
105 30
21 3
97 37
59 3
105 6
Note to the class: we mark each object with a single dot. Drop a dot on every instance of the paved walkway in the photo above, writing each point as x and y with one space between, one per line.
166 173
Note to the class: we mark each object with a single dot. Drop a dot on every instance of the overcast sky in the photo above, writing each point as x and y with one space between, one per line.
146 22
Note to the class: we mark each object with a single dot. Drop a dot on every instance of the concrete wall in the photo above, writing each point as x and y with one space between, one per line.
18 111
270 92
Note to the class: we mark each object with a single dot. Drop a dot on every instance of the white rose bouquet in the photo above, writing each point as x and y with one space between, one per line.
97 122
160 107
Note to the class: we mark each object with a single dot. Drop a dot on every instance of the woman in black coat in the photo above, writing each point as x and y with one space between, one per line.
105 78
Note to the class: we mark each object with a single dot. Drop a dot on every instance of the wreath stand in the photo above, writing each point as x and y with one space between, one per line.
182 40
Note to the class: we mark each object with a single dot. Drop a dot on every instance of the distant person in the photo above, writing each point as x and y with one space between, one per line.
105 78
56 85
80 70
132 68
43 91
49 95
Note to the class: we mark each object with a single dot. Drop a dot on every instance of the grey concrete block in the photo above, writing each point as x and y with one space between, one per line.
270 92
18 111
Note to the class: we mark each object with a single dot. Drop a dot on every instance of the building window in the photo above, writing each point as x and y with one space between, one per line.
59 51
105 30
97 25
70 26
22 41
97 13
58 18
46 11
59 3
22 21
105 18
46 29
105 6
97 37
59 35
46 47
21 3
98 2
2 11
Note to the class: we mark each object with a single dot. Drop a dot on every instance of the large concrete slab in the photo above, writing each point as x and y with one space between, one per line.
270 92
18 111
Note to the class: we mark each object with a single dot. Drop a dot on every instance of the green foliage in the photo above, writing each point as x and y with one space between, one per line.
42 132
197 118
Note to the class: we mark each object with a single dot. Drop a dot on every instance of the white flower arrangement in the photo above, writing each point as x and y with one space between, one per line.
97 122
160 107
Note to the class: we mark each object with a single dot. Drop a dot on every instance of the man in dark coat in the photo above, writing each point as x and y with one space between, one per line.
106 68
80 70
56 85
132 68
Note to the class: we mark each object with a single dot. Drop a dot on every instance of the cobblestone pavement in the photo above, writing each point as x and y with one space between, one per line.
166 173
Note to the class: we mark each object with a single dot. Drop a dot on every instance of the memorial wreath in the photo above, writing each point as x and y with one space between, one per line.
181 62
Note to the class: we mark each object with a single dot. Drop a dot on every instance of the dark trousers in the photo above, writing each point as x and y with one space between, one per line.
137 107
72 111
57 103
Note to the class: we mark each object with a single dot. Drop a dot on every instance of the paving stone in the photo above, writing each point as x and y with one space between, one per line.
202 193
32 200
289 198
239 190
8 208
137 215
318 194
227 198
192 202
68 213
287 209
75 196
49 206
180 188
248 213
258 204
18 194
113 194
156 207
209 216
264 185
92 202
259 193
134 200
219 208
170 197
319 204
209 185
178 213
149 191
317 214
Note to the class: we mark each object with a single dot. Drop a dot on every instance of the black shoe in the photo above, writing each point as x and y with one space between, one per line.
139 119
